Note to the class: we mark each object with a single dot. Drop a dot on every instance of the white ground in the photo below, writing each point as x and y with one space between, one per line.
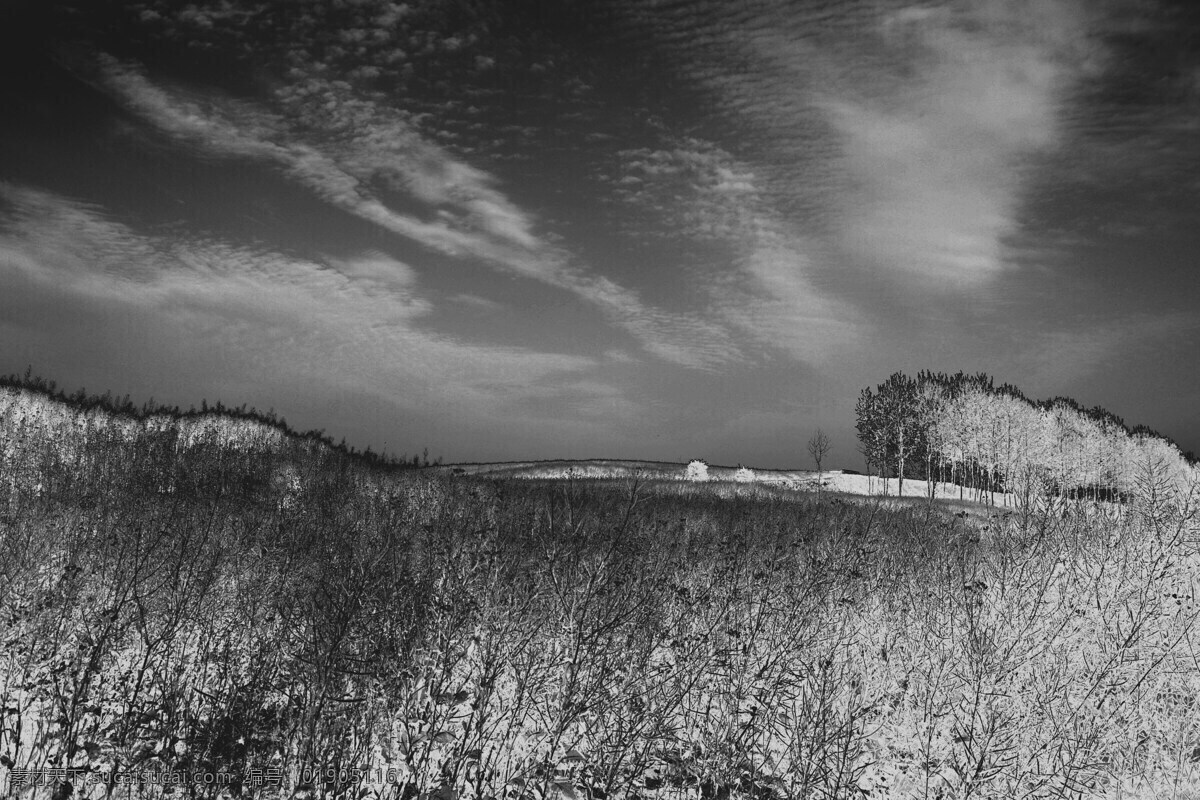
800 480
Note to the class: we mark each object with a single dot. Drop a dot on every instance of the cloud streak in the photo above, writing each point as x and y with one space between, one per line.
361 152
764 287
939 159
337 322
473 219
902 136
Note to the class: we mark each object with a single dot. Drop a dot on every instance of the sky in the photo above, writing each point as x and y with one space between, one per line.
610 229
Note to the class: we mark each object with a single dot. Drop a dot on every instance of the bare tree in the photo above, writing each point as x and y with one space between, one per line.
818 446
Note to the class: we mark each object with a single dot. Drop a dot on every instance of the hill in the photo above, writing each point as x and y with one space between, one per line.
257 614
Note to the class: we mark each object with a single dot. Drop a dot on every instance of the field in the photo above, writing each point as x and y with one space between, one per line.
838 481
847 485
263 623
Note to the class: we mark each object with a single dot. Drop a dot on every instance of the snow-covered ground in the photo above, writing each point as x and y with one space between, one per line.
799 480
865 485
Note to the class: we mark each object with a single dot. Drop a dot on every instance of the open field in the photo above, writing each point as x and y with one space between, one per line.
267 265
835 480
288 618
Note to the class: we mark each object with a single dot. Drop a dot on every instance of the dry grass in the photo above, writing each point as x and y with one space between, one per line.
190 612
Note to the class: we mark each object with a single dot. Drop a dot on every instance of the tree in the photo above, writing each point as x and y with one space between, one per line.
870 431
903 427
818 446
932 407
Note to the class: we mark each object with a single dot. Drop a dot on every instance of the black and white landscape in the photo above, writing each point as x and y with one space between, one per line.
610 400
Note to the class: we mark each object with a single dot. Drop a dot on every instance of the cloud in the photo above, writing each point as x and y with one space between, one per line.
474 218
882 152
785 307
763 284
694 189
335 322
938 160
902 137
354 154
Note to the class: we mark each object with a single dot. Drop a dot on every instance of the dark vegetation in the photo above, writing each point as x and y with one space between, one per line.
192 605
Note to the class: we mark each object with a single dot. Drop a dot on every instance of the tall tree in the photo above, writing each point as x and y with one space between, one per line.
931 406
994 438
869 427
901 420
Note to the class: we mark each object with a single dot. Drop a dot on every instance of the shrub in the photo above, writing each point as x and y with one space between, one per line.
314 617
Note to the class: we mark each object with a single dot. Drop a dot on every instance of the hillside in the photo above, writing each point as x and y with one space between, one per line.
37 419
263 615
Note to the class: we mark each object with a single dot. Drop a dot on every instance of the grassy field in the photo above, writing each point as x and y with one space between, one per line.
208 622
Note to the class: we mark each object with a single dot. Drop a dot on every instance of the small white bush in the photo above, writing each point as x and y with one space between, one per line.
744 475
697 470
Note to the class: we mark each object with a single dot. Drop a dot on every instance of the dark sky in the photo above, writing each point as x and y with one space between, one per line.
637 229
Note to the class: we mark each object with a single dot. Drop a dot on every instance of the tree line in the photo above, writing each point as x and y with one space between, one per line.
988 439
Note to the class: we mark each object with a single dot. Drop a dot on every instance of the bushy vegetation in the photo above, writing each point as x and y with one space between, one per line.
241 614
35 411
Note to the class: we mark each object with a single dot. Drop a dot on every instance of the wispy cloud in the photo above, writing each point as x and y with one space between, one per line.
763 282
336 322
470 217
354 153
694 189
901 136
938 160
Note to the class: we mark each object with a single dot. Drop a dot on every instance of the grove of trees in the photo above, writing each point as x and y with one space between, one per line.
990 439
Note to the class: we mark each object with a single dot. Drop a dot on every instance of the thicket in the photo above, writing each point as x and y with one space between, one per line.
966 430
246 613
33 408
